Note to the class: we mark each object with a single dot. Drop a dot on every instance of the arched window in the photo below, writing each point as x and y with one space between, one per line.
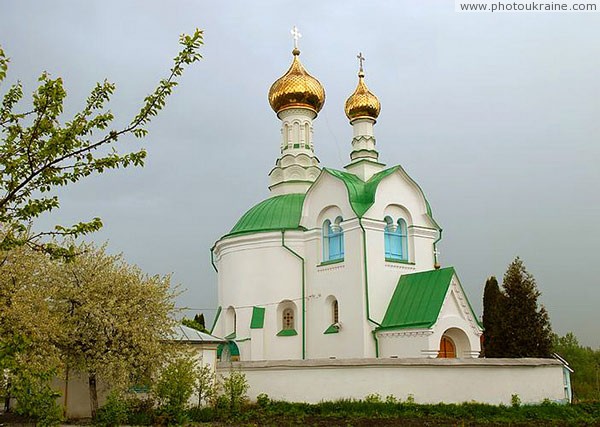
296 137
396 239
306 135
286 313
335 312
230 323
286 136
333 240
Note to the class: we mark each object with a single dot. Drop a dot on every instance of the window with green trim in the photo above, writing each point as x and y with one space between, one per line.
230 321
287 318
334 318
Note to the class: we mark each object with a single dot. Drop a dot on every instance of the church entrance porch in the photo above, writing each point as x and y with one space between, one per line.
454 344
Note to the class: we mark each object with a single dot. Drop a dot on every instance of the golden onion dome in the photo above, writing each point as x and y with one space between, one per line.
362 103
296 88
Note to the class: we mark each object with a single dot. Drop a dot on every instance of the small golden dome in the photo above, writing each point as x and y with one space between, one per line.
362 103
296 88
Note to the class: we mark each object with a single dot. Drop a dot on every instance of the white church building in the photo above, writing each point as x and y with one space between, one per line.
338 269
338 263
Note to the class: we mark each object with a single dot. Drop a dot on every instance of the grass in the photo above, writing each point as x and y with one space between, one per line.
368 413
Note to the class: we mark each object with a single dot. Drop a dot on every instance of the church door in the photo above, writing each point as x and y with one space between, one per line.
447 348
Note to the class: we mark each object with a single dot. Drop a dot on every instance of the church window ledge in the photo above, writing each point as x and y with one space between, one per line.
399 261
287 333
332 261
332 329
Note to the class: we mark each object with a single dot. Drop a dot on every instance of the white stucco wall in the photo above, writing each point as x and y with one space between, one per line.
491 381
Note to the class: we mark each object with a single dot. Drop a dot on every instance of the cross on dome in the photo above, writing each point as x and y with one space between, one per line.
361 58
296 35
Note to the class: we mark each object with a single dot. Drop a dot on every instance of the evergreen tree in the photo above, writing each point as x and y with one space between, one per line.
199 318
524 327
494 303
195 323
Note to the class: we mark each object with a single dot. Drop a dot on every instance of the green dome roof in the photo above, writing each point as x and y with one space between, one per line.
276 213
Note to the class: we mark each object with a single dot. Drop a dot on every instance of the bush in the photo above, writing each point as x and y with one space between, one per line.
373 398
205 385
174 389
515 400
114 412
235 387
35 397
125 408
262 400
202 415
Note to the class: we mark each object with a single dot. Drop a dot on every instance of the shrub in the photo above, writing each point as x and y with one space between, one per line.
373 398
391 399
235 387
35 397
263 400
202 415
114 412
174 388
205 385
515 400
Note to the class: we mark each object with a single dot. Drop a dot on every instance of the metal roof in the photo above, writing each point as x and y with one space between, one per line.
418 299
361 193
187 334
276 213
284 212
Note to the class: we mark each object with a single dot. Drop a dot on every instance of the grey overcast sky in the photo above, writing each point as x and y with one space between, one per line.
496 116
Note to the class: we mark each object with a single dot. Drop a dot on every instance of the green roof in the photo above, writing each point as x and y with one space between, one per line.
361 193
418 299
284 212
276 213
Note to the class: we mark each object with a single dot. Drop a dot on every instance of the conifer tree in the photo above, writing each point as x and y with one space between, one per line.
199 318
494 303
525 326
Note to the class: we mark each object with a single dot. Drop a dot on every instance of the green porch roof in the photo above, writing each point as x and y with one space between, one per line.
418 299
276 213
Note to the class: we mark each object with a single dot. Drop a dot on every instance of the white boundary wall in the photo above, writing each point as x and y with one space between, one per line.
492 381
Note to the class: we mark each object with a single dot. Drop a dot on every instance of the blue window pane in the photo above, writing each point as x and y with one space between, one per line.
396 242
336 246
333 242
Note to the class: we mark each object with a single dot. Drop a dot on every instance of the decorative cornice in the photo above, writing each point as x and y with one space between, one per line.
405 333
331 267
464 305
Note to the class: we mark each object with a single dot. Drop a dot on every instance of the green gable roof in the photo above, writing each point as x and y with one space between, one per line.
361 193
276 213
417 300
